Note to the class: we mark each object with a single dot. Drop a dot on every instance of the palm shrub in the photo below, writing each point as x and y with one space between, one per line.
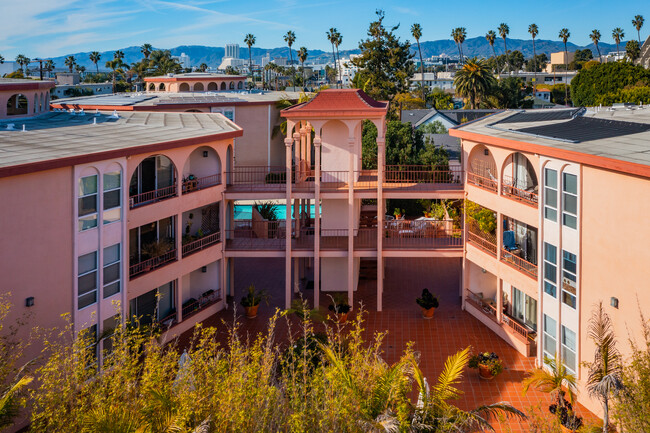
474 81
427 300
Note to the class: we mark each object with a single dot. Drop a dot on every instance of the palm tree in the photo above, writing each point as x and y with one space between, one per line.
618 35
491 37
49 67
2 59
203 67
552 380
605 371
70 62
290 38
337 42
95 57
302 56
637 22
146 50
23 61
504 30
564 35
416 31
10 402
249 40
534 31
462 35
116 66
455 35
474 81
595 38
118 55
332 37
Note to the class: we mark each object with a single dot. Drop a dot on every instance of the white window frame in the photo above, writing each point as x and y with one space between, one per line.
79 275
573 351
572 277
550 190
85 217
547 281
566 193
105 284
547 335
104 191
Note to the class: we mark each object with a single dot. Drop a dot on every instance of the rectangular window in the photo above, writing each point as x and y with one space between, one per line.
87 280
112 197
87 211
569 349
550 336
550 194
112 270
569 200
524 308
550 269
569 278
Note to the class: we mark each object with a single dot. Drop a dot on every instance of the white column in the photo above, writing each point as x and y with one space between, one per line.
499 299
287 271
351 142
317 143
380 221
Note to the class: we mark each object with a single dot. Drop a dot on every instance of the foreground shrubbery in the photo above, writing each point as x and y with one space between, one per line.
334 381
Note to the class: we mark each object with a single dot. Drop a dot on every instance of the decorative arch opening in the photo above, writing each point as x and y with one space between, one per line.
198 87
161 87
212 86
202 169
240 85
184 87
153 180
519 178
481 168
231 86
152 87
223 86
17 105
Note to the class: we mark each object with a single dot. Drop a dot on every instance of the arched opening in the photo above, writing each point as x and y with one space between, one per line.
184 87
481 169
212 86
229 160
161 87
223 86
35 109
153 180
152 87
198 87
202 169
519 178
232 85
240 85
17 105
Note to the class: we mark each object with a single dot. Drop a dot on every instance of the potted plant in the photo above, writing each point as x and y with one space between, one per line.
569 421
487 363
428 302
340 307
251 300
154 250
398 213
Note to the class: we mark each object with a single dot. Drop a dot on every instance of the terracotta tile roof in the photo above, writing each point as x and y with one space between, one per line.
340 101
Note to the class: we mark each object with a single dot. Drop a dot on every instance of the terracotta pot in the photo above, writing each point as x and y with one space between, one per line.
428 314
484 372
342 317
251 312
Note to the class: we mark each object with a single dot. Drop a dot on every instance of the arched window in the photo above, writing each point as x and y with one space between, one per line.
153 180
223 86
232 85
198 87
212 86
240 85
161 88
152 87
184 87
17 105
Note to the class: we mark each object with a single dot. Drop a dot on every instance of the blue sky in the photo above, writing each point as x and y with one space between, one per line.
48 28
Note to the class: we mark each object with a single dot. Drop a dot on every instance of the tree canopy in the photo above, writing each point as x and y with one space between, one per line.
601 83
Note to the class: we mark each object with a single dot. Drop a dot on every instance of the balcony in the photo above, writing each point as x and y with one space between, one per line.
201 228
421 235
148 265
193 306
154 196
421 177
519 263
153 180
484 241
519 247
193 246
519 180
191 183
256 235
483 182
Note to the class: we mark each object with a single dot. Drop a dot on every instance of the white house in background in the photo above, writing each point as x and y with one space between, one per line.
543 94
432 80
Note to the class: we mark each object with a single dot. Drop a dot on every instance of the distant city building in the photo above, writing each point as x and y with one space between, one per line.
557 77
433 80
644 58
184 60
8 68
232 51
67 78
559 58
280 61
81 89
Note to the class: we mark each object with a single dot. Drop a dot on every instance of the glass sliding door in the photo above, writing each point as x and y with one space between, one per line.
524 308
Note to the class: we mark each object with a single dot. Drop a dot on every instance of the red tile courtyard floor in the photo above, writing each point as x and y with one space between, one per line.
451 330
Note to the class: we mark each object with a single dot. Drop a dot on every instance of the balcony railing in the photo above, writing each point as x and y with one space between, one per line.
518 263
304 240
334 239
513 190
256 178
201 183
482 182
256 235
480 239
151 264
517 328
201 243
193 306
421 234
152 196
478 302
420 177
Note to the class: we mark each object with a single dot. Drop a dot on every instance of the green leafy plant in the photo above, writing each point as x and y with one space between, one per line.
485 218
427 300
156 248
487 359
398 212
268 210
339 304
253 296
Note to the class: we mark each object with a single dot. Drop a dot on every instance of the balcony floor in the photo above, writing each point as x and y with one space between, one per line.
452 329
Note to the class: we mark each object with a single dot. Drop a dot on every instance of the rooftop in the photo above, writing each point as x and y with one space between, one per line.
58 139
24 83
145 101
338 102
194 76
601 137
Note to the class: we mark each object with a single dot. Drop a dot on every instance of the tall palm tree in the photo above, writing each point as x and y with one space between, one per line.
474 81
534 31
491 37
249 40
416 31
595 38
564 35
95 57
203 67
115 65
23 61
552 380
49 67
119 54
332 37
455 35
146 50
337 42
302 56
462 35
70 62
504 30
290 38
637 22
618 34
605 371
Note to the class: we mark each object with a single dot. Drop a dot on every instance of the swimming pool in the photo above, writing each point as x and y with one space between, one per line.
245 211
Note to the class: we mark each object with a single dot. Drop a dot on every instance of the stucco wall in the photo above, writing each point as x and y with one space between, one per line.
334 274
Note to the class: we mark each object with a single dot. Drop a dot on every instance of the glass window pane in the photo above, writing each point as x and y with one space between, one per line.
550 289
550 214
86 300
550 272
87 222
568 338
550 325
550 253
550 197
569 221
87 262
110 216
549 345
87 205
87 283
568 299
112 180
165 300
88 185
111 254
571 204
112 199
551 178
531 313
570 183
111 273
569 261
111 289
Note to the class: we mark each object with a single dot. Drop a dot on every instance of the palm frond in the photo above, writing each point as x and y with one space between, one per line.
451 375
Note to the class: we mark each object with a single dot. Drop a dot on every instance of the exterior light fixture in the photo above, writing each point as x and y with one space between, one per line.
205 153
204 269
486 152
613 302
29 302
483 270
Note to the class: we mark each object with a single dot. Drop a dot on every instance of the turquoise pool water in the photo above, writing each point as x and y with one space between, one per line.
244 212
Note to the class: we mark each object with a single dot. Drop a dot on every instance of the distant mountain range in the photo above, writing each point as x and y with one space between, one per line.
472 47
